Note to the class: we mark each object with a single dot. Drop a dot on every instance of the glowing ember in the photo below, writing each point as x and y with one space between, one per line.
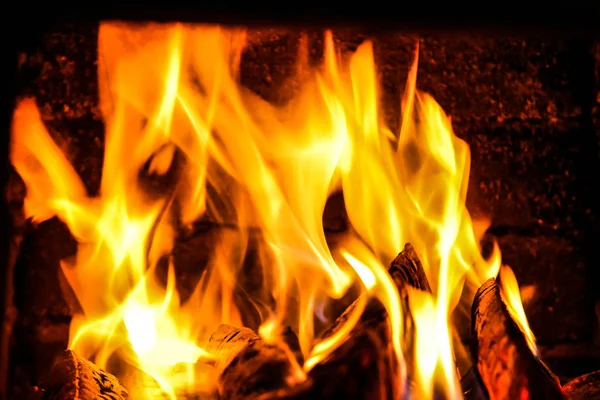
173 89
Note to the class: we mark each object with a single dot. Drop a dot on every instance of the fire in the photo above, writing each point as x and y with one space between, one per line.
173 105
511 296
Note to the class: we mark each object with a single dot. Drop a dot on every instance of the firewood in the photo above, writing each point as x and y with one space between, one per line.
250 365
74 378
363 366
584 387
226 342
406 269
507 366
369 344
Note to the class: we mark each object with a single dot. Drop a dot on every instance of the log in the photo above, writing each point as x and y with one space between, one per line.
369 344
226 342
406 269
249 365
74 378
584 387
363 366
507 366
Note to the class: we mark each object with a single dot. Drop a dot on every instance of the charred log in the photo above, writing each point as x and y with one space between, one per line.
584 387
369 344
507 366
364 366
250 365
226 342
247 364
75 378
407 270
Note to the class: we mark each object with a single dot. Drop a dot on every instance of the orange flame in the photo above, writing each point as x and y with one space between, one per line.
170 93
509 289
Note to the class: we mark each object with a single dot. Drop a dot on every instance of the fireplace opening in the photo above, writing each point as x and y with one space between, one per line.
201 211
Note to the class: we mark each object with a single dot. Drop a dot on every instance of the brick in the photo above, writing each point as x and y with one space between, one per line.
268 63
595 149
596 104
483 80
528 179
478 80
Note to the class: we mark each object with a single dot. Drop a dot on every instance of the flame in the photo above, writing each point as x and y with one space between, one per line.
175 111
511 295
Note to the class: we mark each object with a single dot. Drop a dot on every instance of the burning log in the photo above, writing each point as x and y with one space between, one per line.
248 364
406 269
363 366
507 366
584 387
75 378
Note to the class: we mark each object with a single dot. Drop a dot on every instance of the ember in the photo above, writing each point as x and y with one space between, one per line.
184 139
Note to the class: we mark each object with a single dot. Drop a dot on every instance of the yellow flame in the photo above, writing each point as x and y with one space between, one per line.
509 289
173 105
427 339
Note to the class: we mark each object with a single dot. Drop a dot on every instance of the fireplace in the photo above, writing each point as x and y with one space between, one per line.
526 105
